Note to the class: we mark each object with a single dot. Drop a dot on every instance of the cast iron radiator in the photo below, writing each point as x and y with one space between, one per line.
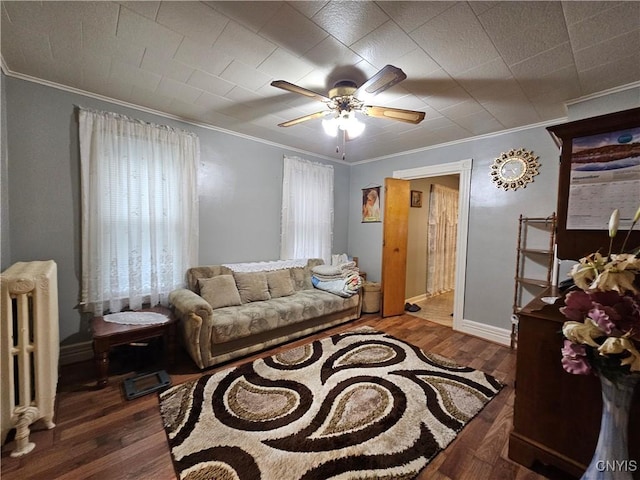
29 350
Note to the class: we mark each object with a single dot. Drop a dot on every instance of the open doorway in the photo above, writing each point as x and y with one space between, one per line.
463 170
431 248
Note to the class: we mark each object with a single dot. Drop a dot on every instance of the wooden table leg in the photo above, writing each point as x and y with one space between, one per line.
101 358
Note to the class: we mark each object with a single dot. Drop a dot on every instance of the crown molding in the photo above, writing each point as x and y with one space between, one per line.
604 93
465 140
160 113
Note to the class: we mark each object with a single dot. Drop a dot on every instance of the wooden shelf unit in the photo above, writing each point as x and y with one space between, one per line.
525 254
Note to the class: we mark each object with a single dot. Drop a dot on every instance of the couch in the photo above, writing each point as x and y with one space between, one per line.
228 311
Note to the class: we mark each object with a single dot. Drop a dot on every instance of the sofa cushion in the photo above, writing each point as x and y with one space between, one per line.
252 286
220 291
234 323
280 283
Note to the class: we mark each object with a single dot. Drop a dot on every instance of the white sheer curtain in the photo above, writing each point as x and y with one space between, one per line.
307 210
139 210
442 237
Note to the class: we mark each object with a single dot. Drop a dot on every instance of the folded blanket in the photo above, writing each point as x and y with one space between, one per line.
344 287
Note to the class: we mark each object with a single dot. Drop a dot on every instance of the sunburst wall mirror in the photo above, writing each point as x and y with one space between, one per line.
514 169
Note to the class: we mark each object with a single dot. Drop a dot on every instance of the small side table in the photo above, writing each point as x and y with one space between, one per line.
109 334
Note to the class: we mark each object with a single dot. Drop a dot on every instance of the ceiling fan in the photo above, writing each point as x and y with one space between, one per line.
343 102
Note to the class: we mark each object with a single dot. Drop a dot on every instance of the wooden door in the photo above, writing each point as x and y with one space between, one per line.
394 245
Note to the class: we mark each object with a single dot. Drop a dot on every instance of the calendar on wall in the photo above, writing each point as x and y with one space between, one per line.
599 172
605 174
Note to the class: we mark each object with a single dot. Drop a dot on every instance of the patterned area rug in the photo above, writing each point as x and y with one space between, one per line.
356 405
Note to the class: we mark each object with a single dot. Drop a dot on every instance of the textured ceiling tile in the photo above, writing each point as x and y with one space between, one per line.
384 45
462 109
66 42
192 19
210 83
447 98
350 21
484 76
142 31
544 63
417 65
245 76
523 29
609 75
562 84
253 15
107 45
151 99
605 52
202 57
456 40
174 89
612 22
126 73
239 42
331 52
96 17
308 7
283 65
292 30
575 12
145 8
33 16
166 67
411 15
213 102
479 123
479 7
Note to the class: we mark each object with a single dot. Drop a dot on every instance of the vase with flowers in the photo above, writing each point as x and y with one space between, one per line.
602 336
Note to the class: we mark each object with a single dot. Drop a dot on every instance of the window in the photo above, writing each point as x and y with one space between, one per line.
307 210
139 210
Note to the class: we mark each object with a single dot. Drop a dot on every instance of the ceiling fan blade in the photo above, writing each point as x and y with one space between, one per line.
386 78
408 116
302 91
298 120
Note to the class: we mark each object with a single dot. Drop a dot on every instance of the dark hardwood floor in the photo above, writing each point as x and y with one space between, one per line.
101 435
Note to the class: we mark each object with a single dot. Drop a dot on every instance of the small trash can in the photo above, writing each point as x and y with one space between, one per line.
370 297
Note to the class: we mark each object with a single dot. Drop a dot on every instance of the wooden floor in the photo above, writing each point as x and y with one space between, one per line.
101 435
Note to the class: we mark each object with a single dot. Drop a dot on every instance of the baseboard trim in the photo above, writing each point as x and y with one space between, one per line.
486 332
76 352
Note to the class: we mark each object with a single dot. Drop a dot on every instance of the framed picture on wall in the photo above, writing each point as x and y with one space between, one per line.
371 204
416 198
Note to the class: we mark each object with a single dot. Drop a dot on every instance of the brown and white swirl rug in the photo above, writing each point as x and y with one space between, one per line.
356 405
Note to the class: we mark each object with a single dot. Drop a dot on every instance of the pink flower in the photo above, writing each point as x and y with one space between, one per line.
574 358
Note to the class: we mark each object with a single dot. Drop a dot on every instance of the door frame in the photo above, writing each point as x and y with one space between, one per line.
463 169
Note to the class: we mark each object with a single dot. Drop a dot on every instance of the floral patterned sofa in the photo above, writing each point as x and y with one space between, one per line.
228 311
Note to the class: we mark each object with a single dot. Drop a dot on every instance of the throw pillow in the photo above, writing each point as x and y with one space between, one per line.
301 278
219 291
252 286
280 283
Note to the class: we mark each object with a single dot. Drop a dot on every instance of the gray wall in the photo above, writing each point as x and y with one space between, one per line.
240 189
493 213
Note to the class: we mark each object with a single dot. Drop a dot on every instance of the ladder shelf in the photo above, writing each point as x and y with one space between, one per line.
527 256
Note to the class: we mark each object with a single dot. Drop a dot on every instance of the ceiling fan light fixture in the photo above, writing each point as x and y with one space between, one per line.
345 121
330 126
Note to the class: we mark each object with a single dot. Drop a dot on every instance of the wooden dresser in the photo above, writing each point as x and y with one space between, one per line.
556 414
